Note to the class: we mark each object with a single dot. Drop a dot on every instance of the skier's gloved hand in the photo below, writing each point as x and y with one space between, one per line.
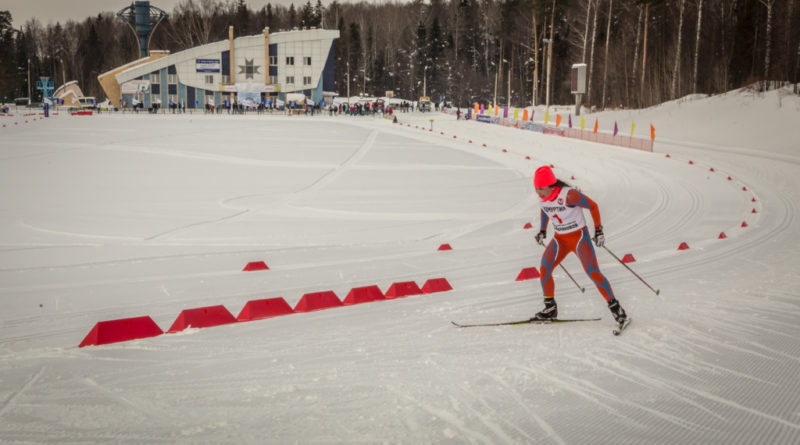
599 238
541 236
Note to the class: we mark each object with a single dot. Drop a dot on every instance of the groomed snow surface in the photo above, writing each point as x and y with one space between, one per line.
117 216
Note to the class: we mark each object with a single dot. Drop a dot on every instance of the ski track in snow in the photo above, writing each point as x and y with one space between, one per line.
702 365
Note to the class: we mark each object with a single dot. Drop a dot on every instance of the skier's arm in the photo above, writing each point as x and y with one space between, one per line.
578 199
544 219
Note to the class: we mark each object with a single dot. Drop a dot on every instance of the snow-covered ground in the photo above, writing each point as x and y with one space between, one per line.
109 217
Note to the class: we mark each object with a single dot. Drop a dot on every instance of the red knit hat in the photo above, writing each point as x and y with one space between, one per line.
544 177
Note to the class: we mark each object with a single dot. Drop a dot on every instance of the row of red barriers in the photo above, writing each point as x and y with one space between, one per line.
126 329
722 235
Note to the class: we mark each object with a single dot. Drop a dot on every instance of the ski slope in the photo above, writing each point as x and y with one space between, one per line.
111 217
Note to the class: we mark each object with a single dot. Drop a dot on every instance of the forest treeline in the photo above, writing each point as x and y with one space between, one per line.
638 52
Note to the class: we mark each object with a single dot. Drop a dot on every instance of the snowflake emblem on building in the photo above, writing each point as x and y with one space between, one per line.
248 69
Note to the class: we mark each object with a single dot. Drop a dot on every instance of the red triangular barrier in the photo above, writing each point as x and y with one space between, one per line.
201 317
316 301
436 285
711 169
683 246
722 235
730 179
124 329
754 211
744 189
403 289
744 223
528 273
364 294
255 265
628 258
528 226
753 200
691 162
445 247
266 308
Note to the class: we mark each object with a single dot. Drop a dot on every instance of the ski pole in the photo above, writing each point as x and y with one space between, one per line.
631 270
583 289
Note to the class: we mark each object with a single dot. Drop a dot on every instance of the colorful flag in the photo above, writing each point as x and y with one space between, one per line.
532 111
525 114
505 112
652 132
570 120
558 120
633 127
595 125
476 107
483 109
616 129
583 123
516 113
546 117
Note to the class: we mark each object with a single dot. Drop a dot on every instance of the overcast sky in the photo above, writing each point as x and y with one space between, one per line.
51 11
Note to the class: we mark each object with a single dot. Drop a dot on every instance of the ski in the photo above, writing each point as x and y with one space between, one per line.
621 326
521 322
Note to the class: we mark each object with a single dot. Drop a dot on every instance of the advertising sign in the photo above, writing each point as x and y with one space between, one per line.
135 86
207 65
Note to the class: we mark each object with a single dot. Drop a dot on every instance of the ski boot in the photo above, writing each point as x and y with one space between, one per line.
616 310
550 311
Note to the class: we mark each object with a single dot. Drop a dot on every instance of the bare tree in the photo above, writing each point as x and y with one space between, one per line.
644 46
192 23
697 44
677 65
591 57
550 55
605 61
586 29
768 44
638 41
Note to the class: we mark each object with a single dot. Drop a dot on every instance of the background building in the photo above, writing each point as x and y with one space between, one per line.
254 67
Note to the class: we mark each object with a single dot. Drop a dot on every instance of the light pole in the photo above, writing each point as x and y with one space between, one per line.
348 85
425 81
29 82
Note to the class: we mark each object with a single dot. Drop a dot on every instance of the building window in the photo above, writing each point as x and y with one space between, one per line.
307 80
172 78
289 80
226 79
307 61
209 78
273 60
290 60
155 78
273 79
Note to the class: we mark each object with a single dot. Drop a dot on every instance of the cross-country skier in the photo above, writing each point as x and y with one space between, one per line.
564 205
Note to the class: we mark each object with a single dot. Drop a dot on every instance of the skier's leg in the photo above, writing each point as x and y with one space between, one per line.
586 254
552 257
